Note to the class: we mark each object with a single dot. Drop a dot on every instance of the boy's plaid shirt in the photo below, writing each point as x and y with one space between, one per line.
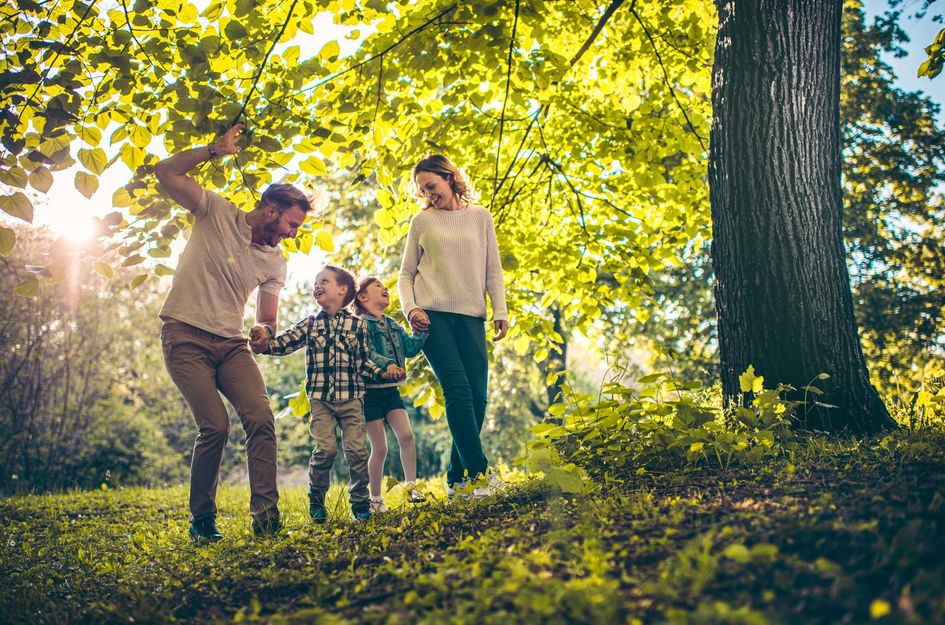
336 355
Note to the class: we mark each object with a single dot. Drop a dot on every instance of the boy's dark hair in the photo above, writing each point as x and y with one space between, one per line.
362 283
344 278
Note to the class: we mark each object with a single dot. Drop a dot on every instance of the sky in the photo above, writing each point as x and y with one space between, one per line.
68 212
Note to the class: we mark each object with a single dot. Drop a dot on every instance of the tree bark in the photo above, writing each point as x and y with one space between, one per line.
782 287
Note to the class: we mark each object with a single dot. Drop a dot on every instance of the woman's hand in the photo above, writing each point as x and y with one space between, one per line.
501 327
419 321
393 372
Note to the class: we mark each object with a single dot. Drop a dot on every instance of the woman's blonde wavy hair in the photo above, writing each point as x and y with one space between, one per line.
443 167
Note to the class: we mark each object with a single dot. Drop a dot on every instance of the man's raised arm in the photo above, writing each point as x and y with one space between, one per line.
172 171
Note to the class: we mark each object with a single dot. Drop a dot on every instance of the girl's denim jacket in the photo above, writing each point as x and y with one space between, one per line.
389 342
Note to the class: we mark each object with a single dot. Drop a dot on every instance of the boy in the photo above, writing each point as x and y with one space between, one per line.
336 357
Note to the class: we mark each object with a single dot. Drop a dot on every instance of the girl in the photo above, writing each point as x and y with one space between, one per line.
450 263
390 346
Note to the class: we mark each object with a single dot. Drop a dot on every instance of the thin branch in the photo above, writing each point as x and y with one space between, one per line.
505 101
124 6
600 26
262 66
52 63
423 26
669 86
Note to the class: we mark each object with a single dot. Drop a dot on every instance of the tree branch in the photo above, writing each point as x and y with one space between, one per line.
666 79
262 65
508 84
600 26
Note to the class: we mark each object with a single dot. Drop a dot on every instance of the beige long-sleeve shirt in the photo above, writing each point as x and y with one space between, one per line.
451 261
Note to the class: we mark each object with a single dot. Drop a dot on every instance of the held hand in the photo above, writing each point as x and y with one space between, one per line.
259 338
393 372
419 321
501 327
227 143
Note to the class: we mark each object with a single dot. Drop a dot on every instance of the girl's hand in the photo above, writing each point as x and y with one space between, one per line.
501 327
419 321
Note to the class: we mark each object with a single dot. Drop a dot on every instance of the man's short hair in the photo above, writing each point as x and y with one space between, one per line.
285 196
344 278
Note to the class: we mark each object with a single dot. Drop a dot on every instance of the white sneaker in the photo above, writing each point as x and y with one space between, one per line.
413 493
377 505
494 486
458 488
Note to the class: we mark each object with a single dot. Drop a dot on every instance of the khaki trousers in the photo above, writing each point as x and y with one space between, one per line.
350 416
203 365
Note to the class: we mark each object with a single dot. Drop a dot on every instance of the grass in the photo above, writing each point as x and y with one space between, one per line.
848 532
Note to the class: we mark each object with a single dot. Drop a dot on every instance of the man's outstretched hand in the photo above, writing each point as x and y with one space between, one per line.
259 338
228 142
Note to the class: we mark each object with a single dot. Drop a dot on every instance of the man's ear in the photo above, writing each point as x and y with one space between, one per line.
272 209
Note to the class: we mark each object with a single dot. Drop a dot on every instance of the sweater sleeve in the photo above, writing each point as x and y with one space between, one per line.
495 282
408 269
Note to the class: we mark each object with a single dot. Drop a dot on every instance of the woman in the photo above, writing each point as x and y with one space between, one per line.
450 262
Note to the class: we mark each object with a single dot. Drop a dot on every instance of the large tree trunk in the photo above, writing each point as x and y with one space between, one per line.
782 288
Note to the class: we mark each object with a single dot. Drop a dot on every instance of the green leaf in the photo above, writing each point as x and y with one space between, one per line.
749 382
313 165
94 160
14 176
7 241
138 279
163 270
17 205
103 269
86 183
330 51
879 608
28 288
737 552
324 240
41 179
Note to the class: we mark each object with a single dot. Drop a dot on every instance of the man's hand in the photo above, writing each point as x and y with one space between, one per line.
259 338
393 372
501 327
228 142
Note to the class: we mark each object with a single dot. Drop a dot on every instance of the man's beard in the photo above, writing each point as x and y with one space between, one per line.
271 234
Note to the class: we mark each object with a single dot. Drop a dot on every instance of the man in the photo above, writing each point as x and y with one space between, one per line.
229 254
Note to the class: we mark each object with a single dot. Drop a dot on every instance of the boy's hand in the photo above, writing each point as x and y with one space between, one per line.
393 372
259 338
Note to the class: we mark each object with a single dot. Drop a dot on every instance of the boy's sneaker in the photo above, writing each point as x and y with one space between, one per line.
319 513
414 495
377 505
204 531
457 489
489 488
268 522
362 515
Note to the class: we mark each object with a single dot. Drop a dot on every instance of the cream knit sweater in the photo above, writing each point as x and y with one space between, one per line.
450 262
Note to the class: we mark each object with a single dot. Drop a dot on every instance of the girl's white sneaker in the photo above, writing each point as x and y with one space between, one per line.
377 505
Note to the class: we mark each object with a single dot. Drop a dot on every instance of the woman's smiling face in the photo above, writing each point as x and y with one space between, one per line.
435 189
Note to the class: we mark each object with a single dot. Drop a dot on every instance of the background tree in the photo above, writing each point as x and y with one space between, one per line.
782 286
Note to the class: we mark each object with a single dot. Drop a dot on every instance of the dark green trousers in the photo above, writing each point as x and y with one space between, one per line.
456 349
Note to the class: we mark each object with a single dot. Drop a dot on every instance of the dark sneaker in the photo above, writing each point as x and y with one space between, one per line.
362 515
204 531
318 513
267 523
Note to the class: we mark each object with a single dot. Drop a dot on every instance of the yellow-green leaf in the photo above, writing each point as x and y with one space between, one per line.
138 279
94 160
86 183
105 270
27 288
17 205
749 382
879 608
41 179
324 240
7 241
330 51
313 165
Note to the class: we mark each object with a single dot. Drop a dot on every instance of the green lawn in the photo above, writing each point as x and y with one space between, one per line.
849 532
